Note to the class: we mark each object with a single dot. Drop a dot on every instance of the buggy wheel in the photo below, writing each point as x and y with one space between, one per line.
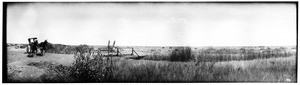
30 55
28 49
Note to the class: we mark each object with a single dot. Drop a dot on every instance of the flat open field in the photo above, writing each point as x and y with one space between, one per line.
24 69
161 64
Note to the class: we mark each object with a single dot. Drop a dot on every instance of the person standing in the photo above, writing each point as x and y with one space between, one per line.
35 45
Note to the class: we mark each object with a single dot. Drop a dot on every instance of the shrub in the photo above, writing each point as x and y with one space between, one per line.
84 68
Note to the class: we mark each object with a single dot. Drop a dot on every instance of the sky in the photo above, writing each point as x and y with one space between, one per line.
150 24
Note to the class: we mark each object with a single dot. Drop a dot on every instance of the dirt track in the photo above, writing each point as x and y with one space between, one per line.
19 70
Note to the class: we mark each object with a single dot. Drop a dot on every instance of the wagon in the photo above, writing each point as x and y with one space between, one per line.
35 48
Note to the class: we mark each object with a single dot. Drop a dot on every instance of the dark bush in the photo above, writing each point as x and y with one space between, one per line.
181 54
60 49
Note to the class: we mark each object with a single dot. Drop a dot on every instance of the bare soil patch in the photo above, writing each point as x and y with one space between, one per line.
29 69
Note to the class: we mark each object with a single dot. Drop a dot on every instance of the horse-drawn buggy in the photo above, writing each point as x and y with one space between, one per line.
35 48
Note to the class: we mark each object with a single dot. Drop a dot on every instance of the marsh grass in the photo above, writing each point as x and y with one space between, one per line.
212 68
177 54
216 55
212 54
157 56
159 71
182 54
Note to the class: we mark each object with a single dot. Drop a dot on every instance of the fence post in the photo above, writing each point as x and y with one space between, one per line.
132 51
108 47
117 51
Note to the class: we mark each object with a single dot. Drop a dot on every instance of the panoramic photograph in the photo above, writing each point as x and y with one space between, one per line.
150 42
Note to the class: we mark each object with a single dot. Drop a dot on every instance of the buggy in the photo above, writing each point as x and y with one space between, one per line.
35 48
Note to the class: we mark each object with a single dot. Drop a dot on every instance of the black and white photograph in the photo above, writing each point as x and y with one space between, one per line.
150 42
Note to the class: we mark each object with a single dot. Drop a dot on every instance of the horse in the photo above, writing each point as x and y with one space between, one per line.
43 46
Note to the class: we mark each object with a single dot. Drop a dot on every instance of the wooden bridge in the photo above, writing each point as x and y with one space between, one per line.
112 51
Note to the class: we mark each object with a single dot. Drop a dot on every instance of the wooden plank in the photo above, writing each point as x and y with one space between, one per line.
130 56
133 57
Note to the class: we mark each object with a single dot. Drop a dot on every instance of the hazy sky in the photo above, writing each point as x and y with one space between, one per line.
148 24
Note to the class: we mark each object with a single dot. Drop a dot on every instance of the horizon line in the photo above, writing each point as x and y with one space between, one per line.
162 45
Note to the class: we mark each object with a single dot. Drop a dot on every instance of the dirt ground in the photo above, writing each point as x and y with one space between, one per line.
19 68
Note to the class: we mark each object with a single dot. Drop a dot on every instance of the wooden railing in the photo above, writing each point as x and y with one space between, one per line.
118 50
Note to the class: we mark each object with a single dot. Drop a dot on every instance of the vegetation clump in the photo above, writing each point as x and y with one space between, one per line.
86 68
